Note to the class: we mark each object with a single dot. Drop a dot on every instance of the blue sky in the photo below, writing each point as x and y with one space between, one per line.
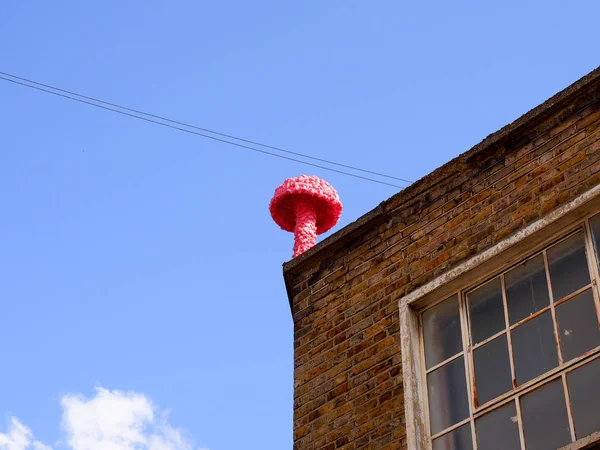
141 271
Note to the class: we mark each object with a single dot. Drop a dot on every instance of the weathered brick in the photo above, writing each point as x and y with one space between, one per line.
347 362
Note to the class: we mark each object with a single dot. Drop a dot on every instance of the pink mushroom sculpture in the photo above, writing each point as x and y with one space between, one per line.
306 206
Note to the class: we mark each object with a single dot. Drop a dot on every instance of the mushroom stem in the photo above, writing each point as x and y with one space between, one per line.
305 232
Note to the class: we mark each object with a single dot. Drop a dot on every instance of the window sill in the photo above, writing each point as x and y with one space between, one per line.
587 443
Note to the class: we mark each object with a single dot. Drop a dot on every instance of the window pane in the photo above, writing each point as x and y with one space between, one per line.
447 392
459 439
584 391
568 266
486 311
526 289
492 370
578 325
545 421
595 225
534 348
499 429
441 332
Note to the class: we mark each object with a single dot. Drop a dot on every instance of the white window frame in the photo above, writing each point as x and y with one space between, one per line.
468 274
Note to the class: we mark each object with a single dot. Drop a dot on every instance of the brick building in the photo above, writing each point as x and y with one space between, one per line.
463 312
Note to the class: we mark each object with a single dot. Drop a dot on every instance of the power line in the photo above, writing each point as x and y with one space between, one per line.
200 134
204 129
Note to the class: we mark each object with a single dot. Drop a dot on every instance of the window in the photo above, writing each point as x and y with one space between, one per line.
513 362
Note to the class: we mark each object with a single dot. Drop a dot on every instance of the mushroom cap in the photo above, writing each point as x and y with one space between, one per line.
311 189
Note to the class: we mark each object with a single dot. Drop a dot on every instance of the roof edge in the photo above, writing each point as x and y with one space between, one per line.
379 213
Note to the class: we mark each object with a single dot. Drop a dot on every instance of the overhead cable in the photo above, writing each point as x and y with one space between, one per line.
138 115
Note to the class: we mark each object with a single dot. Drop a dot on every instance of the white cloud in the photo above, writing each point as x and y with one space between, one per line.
111 420
19 437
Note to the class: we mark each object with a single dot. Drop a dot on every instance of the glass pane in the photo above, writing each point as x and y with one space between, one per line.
534 348
595 225
492 370
578 325
526 289
447 392
499 429
545 421
441 332
568 266
584 391
486 311
459 439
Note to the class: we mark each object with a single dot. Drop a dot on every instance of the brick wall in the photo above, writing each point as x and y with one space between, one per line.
348 376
